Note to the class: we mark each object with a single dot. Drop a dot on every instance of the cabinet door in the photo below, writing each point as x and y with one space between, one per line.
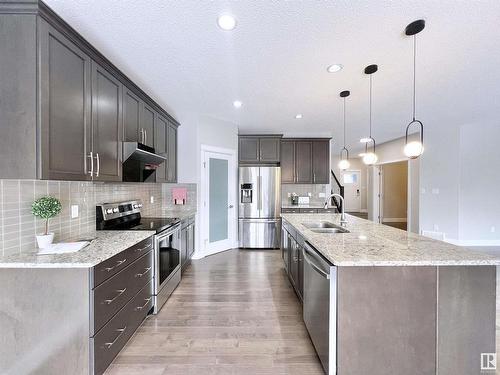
106 124
65 107
321 162
287 162
269 150
161 147
294 269
191 241
248 149
300 271
303 162
148 125
131 116
171 153
284 247
184 244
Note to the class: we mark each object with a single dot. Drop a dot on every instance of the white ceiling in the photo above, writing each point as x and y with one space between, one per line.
275 60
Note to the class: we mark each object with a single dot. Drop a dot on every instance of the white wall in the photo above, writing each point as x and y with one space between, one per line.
192 134
356 165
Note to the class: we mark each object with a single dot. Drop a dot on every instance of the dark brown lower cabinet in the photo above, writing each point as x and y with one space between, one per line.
187 241
292 254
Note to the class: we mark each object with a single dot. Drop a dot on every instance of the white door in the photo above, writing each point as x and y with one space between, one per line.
352 193
218 195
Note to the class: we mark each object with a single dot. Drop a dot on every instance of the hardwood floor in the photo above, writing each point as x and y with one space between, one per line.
233 313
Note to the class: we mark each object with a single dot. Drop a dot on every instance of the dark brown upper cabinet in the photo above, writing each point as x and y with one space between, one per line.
161 147
171 152
106 125
67 108
259 149
305 161
321 162
287 161
147 126
132 107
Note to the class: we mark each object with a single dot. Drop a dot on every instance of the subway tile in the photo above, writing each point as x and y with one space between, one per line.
41 189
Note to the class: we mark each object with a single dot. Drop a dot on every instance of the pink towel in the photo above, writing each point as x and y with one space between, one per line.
179 195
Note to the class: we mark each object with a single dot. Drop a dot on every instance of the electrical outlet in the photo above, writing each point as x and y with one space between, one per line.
152 199
289 195
74 211
309 194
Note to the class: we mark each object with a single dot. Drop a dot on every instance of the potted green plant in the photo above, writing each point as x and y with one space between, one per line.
46 208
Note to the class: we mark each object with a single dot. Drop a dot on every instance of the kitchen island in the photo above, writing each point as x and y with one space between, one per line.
379 300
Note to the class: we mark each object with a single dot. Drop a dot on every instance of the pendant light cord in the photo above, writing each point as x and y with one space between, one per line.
414 73
370 105
344 122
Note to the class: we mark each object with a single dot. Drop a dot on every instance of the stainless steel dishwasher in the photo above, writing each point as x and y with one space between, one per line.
320 306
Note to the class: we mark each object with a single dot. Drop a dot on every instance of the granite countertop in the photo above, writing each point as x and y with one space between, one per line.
373 244
104 246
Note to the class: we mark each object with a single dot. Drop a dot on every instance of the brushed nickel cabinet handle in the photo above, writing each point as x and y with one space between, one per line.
146 270
110 301
91 156
118 263
141 249
98 164
139 308
120 332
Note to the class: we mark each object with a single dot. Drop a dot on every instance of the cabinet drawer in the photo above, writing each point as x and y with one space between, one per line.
328 211
308 210
115 334
289 210
114 293
113 265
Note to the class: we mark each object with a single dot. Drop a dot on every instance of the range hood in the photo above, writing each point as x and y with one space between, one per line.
141 153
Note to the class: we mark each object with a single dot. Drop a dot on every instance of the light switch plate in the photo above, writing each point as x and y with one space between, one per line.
321 195
152 199
74 211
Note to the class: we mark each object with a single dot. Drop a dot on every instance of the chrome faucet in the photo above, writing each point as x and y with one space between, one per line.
343 220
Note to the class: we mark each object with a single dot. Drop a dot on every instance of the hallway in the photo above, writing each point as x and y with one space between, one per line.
233 313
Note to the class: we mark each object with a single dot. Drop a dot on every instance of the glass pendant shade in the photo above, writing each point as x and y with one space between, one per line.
344 164
370 158
414 149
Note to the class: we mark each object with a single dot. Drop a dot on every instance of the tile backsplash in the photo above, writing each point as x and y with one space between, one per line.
19 227
304 190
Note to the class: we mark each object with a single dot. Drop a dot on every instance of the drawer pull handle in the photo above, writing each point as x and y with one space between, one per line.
118 263
146 270
141 249
120 292
120 332
139 308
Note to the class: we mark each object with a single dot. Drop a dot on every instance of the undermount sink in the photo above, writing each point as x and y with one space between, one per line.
325 227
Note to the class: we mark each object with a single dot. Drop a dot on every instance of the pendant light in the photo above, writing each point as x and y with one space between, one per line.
414 149
370 157
344 152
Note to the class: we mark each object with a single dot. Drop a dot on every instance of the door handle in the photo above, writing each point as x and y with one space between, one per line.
91 156
145 136
98 164
110 301
116 265
146 270
139 308
231 206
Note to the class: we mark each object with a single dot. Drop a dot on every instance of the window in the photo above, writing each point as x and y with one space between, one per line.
350 178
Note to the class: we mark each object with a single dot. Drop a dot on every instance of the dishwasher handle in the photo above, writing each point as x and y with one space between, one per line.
310 261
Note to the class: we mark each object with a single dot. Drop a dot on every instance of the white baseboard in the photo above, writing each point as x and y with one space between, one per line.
394 220
364 210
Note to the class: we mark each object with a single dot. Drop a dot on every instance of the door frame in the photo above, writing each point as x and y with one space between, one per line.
204 204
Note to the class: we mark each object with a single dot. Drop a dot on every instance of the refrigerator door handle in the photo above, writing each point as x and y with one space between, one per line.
259 193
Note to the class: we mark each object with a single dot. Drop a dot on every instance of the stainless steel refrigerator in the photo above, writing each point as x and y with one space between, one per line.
259 223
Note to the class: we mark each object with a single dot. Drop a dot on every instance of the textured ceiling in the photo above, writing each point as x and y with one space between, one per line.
275 60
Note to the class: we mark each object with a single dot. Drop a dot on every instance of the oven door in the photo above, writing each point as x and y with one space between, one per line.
167 256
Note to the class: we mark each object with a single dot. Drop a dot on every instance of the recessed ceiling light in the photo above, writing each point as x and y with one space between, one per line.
365 140
226 22
298 116
237 104
334 68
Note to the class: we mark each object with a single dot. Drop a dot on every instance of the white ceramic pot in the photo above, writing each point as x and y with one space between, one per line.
45 240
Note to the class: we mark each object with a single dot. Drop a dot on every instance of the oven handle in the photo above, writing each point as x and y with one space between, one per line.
170 231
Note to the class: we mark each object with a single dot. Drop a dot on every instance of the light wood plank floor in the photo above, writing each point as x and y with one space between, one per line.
233 313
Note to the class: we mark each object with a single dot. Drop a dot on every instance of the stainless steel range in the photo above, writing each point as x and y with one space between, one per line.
167 240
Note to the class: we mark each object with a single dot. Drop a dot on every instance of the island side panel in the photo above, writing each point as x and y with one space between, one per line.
44 321
386 322
466 318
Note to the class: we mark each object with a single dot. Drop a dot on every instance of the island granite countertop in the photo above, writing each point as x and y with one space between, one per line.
104 246
373 244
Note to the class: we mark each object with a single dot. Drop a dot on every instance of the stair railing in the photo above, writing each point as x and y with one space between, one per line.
338 188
